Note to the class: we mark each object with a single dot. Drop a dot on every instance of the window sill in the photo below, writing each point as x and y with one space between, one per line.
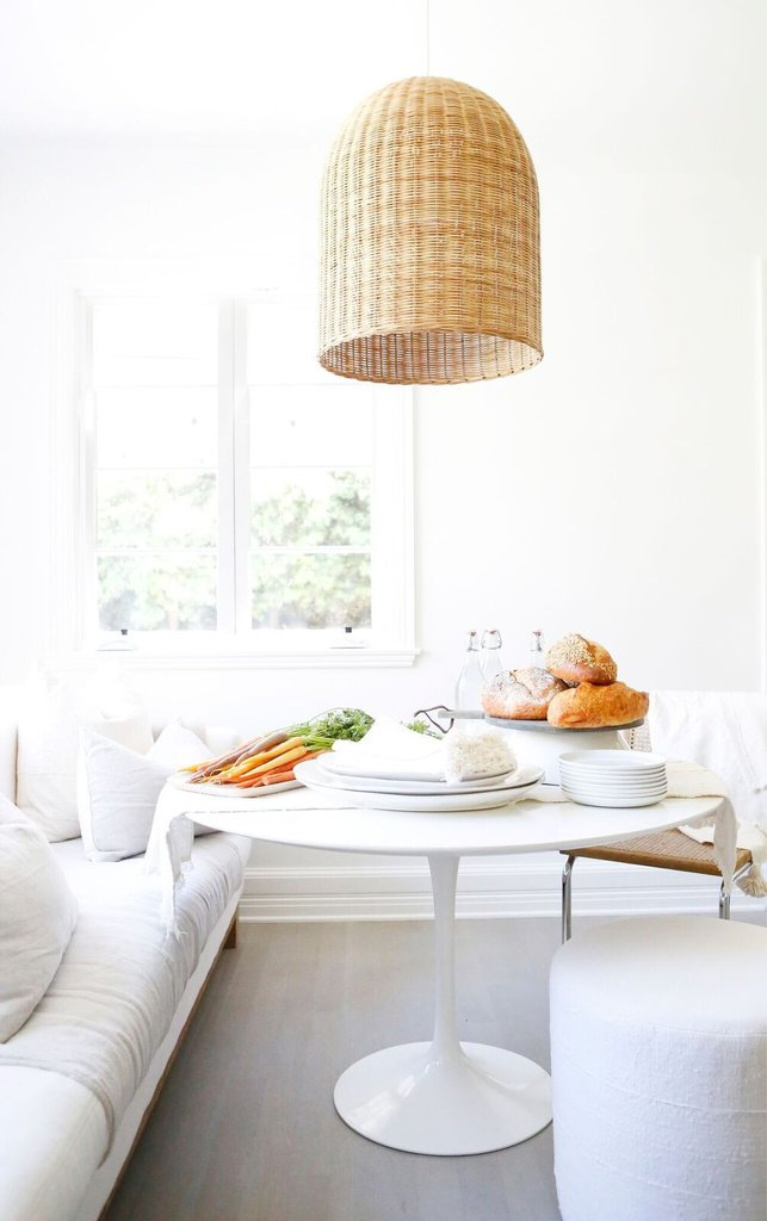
328 658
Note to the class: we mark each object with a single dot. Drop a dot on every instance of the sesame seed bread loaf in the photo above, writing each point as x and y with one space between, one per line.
521 695
598 706
578 660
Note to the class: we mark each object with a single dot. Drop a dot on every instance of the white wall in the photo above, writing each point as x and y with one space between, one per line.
617 489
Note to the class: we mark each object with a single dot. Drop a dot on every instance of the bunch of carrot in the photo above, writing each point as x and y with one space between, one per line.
262 761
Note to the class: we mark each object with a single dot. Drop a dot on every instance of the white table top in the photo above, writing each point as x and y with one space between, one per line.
307 820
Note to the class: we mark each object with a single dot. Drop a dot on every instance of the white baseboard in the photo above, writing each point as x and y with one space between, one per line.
486 888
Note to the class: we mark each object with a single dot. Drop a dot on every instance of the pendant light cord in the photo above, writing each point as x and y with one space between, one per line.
428 48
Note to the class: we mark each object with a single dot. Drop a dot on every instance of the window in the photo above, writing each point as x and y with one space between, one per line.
234 495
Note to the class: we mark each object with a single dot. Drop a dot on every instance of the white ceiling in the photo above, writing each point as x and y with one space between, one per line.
195 66
615 72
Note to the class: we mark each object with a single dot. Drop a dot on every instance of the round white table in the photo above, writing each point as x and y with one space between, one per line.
443 1097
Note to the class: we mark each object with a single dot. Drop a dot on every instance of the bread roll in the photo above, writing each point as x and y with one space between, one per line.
578 660
521 695
591 706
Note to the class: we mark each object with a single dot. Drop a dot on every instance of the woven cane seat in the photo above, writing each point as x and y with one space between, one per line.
662 850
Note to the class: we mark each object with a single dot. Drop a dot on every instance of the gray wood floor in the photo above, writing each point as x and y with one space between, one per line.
245 1128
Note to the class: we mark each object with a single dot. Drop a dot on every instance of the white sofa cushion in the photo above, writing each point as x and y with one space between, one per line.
113 999
53 1135
38 913
48 737
117 789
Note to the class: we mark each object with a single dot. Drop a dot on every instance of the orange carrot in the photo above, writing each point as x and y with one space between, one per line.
260 782
245 750
289 756
277 778
195 767
255 761
280 777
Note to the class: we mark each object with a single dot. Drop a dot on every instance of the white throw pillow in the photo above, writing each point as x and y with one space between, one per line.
118 789
180 746
48 742
38 913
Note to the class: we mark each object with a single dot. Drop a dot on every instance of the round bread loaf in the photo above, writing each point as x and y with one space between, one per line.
521 695
592 706
578 660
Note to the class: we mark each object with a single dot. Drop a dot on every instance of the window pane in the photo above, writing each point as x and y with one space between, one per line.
323 426
157 593
174 509
156 428
283 339
149 341
310 591
308 508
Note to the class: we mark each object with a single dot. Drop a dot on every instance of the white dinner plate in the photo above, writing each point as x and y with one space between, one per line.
610 778
483 799
519 778
615 803
623 790
588 794
613 782
610 799
231 790
607 773
623 769
622 760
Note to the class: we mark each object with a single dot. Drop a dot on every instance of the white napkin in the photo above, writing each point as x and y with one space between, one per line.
389 751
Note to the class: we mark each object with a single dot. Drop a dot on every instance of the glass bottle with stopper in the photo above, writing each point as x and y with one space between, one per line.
537 651
468 691
491 654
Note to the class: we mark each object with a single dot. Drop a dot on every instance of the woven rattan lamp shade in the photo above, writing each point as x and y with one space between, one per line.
430 261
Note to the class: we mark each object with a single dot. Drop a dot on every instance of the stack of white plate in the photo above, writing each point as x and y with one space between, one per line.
613 778
424 795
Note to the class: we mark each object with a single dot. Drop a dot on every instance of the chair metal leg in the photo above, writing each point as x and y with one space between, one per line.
567 899
724 900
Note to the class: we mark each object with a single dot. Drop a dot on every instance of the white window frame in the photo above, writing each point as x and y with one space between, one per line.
391 642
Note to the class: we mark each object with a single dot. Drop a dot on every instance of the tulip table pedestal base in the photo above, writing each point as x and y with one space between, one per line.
445 1098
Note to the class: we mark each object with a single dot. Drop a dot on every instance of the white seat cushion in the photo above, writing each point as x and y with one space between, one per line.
53 1136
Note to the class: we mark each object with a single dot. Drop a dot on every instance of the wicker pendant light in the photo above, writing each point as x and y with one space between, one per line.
430 262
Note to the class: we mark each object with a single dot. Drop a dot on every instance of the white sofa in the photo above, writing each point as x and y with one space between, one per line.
126 991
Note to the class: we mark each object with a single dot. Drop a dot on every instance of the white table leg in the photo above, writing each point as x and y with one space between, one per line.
445 1097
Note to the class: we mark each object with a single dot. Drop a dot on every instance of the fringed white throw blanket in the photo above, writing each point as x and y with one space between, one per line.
726 730
170 845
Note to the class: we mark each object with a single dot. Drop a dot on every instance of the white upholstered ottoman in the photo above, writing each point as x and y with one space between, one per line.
659 1070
